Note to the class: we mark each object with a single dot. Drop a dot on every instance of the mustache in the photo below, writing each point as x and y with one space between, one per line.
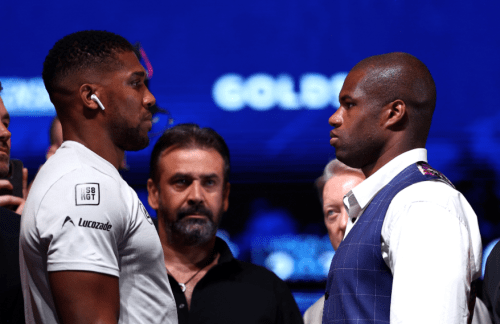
195 210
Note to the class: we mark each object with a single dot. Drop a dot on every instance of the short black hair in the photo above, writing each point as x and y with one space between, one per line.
189 136
80 51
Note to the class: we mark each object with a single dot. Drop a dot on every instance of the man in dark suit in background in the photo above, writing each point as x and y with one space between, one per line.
11 207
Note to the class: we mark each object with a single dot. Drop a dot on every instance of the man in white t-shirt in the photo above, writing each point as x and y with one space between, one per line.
89 250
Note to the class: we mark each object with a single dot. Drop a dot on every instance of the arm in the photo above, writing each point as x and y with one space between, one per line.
85 297
429 250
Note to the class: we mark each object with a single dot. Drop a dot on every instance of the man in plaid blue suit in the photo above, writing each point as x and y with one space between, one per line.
412 245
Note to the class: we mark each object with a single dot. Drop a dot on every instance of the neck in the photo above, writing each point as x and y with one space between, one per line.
95 140
388 153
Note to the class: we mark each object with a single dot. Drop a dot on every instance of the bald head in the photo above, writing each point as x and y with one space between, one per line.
401 76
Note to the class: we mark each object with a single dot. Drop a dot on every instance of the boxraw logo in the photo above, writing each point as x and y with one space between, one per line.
87 194
67 219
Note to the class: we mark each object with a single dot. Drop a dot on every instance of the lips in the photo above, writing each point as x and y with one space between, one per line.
334 138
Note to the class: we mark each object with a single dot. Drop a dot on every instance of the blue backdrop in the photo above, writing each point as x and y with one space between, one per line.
265 75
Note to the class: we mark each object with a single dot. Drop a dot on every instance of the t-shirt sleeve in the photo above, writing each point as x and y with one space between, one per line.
81 221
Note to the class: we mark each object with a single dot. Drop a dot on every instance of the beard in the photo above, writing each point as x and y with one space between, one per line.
131 139
193 231
4 166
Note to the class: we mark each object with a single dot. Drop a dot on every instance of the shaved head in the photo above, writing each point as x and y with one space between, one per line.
401 76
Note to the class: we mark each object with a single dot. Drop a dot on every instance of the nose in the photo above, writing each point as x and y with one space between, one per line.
343 220
335 120
4 133
196 196
148 100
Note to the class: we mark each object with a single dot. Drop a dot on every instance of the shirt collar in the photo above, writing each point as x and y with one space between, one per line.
366 190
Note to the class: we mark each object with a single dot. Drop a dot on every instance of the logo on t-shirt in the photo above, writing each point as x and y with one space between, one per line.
87 194
67 219
96 225
145 212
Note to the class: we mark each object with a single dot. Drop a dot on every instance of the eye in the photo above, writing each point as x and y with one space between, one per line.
349 105
331 214
181 182
210 182
6 124
137 83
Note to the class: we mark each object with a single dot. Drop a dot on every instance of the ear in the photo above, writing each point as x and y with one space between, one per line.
395 113
87 90
225 197
153 194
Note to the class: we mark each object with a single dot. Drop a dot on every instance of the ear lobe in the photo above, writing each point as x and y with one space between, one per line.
395 113
86 91
152 194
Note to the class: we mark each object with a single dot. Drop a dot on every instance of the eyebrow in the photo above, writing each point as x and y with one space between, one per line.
344 97
6 116
203 176
139 73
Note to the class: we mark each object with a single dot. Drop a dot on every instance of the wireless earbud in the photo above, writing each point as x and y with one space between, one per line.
94 97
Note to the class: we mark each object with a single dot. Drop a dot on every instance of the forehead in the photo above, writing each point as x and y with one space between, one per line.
353 84
3 110
194 161
128 63
337 186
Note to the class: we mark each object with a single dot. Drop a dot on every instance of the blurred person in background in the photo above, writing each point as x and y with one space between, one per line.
13 179
337 180
189 189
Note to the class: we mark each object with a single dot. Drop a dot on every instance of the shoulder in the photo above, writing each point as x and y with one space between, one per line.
259 275
73 190
433 193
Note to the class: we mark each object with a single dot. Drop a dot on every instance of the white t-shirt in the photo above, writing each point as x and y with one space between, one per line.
81 215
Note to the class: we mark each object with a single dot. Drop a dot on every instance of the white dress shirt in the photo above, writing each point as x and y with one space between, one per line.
430 241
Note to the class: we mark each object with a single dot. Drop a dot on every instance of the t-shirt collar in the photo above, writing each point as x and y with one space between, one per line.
96 159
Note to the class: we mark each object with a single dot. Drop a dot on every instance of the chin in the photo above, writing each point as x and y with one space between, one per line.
137 144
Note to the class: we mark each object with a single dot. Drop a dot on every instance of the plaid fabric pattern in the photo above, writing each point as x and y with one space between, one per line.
359 282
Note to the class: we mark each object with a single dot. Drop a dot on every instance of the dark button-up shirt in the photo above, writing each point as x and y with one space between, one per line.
237 292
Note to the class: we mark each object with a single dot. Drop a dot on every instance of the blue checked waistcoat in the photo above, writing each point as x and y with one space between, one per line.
359 284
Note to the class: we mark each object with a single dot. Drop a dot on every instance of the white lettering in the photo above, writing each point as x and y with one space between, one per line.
227 92
315 91
26 97
259 92
262 92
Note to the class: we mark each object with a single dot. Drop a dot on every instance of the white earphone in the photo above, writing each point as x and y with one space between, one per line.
94 97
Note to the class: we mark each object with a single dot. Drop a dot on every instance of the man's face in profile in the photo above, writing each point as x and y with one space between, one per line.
4 141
